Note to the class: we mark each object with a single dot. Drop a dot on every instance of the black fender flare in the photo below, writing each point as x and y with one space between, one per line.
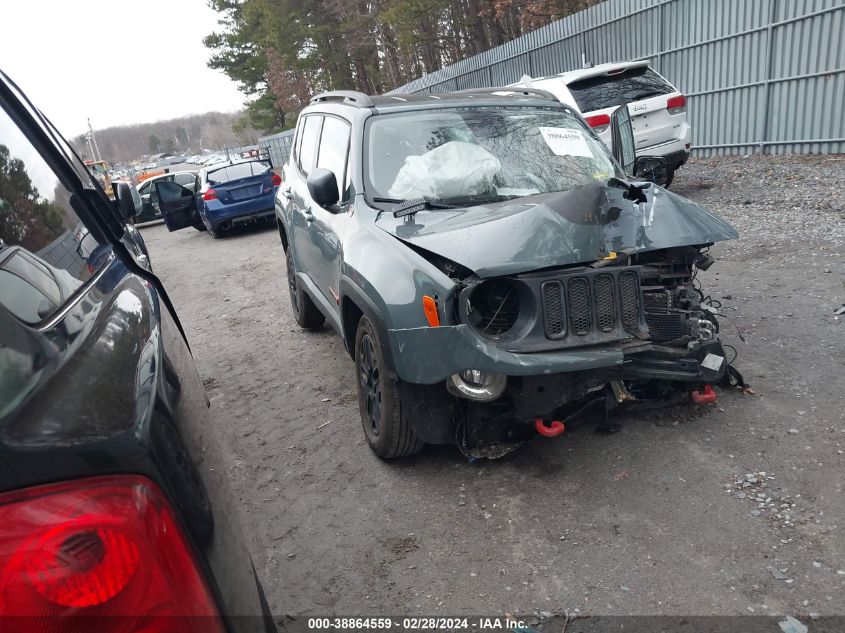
352 291
281 226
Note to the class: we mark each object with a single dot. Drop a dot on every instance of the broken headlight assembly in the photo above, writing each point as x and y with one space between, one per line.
498 308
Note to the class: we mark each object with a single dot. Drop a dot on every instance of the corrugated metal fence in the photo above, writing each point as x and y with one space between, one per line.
62 253
759 75
278 146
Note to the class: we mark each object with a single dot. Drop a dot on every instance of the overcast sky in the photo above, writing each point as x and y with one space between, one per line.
118 61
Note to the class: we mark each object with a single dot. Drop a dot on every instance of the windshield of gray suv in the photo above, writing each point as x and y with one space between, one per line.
480 154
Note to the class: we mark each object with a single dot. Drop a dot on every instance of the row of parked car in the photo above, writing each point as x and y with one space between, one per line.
206 159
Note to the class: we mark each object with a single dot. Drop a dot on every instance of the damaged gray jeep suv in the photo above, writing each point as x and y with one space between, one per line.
493 270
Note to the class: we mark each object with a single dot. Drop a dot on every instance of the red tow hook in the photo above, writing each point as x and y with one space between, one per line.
554 429
706 396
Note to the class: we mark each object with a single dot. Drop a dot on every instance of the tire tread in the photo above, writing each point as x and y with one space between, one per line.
401 441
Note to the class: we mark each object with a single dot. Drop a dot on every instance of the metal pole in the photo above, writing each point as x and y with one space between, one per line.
659 35
94 139
90 146
764 137
583 50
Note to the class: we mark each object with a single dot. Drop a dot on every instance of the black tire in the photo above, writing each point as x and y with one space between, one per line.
670 176
198 224
307 315
215 232
388 433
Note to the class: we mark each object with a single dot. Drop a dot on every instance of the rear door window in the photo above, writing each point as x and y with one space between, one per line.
334 144
607 91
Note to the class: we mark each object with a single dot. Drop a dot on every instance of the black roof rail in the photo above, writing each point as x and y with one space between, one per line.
527 92
350 97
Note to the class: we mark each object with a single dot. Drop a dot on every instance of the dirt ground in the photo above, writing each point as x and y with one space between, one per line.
656 519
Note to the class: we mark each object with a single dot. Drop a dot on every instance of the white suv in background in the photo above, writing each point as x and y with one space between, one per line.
658 110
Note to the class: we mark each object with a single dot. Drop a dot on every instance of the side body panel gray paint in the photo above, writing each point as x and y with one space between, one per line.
392 278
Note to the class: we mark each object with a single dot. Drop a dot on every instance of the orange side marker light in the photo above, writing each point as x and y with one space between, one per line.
430 309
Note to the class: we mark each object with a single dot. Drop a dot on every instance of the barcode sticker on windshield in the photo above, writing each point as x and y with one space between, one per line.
565 141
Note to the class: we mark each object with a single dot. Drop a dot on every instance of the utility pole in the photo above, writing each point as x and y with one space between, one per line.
93 141
90 146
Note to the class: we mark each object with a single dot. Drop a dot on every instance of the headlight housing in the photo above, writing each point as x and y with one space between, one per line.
493 307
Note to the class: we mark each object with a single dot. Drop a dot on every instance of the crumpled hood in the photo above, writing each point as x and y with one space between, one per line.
558 229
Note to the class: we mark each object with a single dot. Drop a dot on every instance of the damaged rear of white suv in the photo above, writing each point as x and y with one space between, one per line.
492 270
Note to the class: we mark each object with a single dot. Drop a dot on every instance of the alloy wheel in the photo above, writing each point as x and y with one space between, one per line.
370 382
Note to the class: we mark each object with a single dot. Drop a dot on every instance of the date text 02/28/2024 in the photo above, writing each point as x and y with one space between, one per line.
415 623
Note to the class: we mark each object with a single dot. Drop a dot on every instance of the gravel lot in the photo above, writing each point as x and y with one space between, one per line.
656 519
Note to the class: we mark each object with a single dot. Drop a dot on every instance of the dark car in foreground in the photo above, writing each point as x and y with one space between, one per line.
230 194
491 268
115 509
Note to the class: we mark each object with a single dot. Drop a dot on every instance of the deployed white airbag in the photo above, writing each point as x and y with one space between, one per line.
453 170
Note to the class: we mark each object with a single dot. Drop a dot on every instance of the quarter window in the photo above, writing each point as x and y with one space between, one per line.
308 146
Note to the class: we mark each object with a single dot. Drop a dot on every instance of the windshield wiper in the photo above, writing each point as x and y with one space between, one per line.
475 201
410 207
390 200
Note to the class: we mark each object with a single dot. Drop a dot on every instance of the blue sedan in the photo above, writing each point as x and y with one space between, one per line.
236 193
229 194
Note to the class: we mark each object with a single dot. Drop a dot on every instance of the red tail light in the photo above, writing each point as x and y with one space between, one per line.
676 104
598 122
210 195
86 551
277 180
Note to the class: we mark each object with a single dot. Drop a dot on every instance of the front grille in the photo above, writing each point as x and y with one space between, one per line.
553 309
580 318
629 294
592 306
605 305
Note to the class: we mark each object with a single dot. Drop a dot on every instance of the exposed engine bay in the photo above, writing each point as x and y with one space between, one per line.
648 305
